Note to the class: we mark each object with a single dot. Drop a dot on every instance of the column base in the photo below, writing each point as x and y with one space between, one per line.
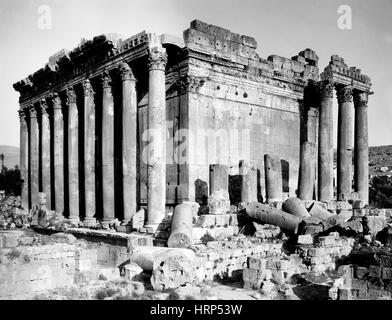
105 223
151 227
89 222
74 219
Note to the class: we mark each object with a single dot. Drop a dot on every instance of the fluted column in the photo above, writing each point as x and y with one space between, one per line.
129 143
58 145
73 156
345 134
89 153
45 152
24 160
325 147
34 162
156 167
361 158
107 150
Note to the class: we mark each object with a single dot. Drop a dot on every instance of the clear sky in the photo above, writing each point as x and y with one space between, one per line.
282 27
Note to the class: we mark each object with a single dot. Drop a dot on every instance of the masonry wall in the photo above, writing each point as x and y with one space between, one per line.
26 271
244 120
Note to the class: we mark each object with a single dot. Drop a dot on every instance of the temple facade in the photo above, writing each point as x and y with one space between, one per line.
154 120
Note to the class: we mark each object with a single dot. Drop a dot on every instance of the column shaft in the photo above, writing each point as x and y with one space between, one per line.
273 178
129 143
361 170
89 153
248 174
58 145
34 163
73 156
24 160
306 171
156 167
219 177
107 150
325 151
45 153
345 135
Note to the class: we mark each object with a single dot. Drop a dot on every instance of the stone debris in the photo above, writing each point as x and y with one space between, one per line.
219 202
295 207
12 214
267 214
181 227
172 269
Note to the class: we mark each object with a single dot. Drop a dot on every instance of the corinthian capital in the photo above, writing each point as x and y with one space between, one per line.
345 94
360 98
71 95
326 88
126 72
56 101
22 115
43 106
157 60
87 88
32 111
106 80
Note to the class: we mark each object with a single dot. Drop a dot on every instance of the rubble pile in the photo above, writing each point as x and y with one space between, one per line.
368 276
325 253
12 215
227 259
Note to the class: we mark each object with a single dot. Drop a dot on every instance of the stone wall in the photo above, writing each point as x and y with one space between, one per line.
227 259
249 105
28 266
26 271
326 253
368 276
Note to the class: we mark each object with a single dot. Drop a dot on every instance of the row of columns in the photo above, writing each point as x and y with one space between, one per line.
29 146
345 95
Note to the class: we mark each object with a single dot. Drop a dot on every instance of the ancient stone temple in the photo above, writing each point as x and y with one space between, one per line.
154 120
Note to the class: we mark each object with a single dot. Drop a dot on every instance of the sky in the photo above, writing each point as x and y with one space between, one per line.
282 27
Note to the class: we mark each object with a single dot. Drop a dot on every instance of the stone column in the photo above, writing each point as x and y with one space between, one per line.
156 166
219 177
24 160
107 150
34 162
248 173
73 156
325 145
45 152
273 178
345 134
58 145
306 171
129 143
361 158
89 153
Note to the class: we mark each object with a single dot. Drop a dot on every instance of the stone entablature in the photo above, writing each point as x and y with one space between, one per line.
341 74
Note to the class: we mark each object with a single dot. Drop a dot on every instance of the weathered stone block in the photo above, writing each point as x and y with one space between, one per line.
379 295
327 241
386 273
305 239
372 225
346 271
234 219
222 220
360 272
206 220
375 271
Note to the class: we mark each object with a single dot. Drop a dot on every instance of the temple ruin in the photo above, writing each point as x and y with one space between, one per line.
183 142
